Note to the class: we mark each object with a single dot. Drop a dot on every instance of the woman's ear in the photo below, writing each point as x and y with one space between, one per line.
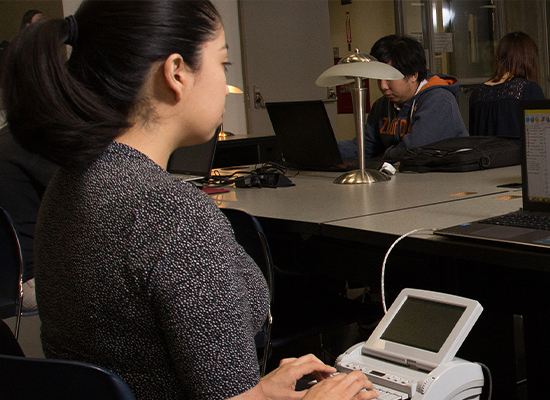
176 75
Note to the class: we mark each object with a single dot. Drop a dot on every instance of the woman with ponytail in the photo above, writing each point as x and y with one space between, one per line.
136 270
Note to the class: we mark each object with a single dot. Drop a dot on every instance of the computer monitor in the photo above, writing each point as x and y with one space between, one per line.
423 329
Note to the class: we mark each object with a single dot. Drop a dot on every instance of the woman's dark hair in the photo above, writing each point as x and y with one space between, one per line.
28 16
405 54
69 112
517 55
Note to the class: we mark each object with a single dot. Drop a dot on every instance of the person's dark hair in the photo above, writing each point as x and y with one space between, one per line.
28 16
517 55
405 54
70 111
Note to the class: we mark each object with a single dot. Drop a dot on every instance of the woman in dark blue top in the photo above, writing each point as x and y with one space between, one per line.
494 106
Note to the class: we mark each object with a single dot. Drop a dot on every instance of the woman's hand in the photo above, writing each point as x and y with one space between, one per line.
354 385
280 384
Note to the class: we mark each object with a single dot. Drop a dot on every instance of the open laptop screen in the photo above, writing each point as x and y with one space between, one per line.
304 133
535 131
195 160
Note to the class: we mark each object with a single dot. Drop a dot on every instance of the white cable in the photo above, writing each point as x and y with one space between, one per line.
483 366
386 258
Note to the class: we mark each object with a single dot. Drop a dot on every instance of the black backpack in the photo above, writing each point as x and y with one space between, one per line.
461 154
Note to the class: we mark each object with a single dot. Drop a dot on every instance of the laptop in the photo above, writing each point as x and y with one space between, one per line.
192 163
527 225
306 138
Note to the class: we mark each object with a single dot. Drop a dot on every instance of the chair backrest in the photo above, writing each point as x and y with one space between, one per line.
39 378
9 346
250 235
11 269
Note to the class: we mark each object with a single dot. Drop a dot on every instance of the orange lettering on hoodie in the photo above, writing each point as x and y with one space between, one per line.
400 126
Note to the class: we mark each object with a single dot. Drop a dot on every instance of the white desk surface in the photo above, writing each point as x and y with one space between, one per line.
436 216
316 199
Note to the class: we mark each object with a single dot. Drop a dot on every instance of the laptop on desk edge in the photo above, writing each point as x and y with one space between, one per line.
535 172
306 138
193 163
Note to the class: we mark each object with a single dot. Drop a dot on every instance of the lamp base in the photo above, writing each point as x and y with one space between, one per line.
358 176
224 134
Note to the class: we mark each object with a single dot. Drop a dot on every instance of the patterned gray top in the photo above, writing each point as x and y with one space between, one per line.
140 273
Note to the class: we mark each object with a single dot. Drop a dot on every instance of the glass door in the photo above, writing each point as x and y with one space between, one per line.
460 36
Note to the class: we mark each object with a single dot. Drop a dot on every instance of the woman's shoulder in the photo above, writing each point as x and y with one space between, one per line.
524 89
170 192
483 89
513 89
532 83
521 83
135 180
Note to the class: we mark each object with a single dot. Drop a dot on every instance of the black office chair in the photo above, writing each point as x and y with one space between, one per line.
11 271
296 316
9 346
251 237
39 378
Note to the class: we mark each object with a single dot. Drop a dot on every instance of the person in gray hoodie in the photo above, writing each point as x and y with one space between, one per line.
414 111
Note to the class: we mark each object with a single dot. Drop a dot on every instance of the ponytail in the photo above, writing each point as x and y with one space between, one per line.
48 111
70 111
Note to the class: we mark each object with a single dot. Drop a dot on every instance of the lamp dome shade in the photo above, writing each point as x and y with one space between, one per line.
343 73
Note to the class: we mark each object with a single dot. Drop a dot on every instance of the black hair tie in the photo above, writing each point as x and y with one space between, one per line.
73 31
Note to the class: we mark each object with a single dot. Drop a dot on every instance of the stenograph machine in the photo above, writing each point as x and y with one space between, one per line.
411 353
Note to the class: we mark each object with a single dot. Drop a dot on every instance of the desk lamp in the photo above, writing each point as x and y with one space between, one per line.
224 134
355 67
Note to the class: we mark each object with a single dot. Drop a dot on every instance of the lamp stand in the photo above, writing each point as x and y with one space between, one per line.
224 134
362 175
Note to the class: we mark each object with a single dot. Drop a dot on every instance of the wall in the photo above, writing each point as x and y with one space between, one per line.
370 20
70 6
12 13
234 119
287 45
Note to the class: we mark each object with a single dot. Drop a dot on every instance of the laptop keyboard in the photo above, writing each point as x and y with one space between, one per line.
521 219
